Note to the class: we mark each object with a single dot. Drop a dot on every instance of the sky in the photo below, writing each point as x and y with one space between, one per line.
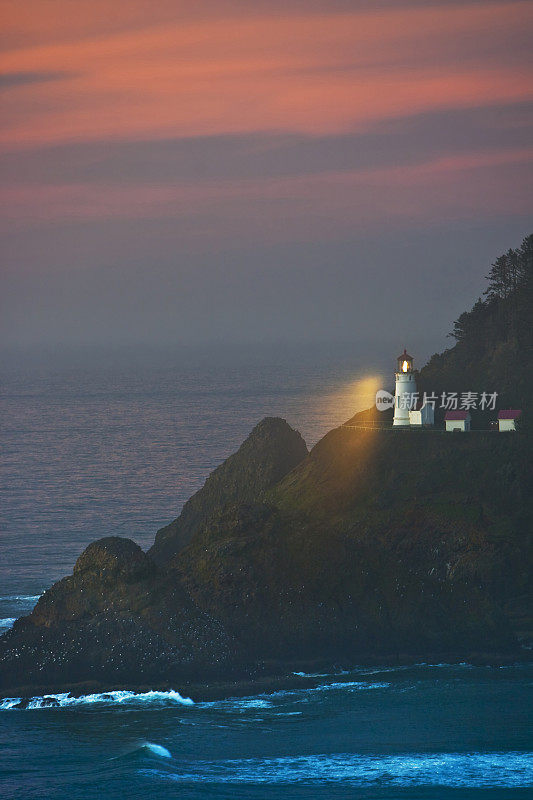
250 171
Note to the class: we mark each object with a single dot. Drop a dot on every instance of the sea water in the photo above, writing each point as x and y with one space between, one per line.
104 444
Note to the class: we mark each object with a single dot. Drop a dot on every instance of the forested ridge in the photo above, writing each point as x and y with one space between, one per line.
494 340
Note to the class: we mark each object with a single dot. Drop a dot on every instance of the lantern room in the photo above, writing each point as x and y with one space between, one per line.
405 362
405 392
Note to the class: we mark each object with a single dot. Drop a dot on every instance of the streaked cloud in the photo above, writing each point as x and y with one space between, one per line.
313 72
325 205
261 155
284 186
232 153
10 80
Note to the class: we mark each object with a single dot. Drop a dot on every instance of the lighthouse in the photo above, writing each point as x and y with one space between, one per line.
405 385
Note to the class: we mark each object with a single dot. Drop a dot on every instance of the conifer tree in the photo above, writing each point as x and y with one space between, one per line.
499 277
525 254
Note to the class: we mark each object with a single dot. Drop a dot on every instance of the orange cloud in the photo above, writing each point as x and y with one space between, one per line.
313 73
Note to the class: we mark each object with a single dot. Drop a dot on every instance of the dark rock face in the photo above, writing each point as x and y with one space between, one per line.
117 618
103 579
356 554
291 588
456 510
115 556
269 453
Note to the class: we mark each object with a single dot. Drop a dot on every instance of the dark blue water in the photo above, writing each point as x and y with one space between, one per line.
413 732
93 446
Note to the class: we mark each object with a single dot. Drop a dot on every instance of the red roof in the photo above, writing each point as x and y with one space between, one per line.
510 413
405 356
456 415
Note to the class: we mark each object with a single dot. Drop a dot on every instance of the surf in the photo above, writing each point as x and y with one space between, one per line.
118 697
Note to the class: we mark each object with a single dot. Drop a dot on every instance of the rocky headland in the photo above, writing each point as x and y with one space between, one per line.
375 546
351 556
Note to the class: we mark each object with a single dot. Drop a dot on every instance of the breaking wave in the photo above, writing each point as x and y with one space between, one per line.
156 749
65 700
171 698
6 623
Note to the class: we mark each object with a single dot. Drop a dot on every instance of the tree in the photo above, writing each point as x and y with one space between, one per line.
507 297
468 321
525 257
501 276
511 271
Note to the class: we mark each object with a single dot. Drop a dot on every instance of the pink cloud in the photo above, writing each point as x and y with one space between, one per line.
199 74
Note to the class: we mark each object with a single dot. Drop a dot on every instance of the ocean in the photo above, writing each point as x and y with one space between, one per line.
97 444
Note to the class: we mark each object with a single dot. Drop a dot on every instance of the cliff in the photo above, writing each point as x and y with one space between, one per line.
354 556
378 545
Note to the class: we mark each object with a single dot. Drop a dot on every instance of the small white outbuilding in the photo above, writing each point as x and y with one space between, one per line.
507 419
457 420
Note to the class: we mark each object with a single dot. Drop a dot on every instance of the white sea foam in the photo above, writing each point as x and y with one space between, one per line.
312 674
158 698
123 697
355 686
237 703
242 704
451 770
18 604
386 670
289 713
21 598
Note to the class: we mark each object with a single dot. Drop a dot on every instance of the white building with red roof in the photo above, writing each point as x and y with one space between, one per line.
457 420
507 419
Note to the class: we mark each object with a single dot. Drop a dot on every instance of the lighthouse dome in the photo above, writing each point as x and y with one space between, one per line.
405 355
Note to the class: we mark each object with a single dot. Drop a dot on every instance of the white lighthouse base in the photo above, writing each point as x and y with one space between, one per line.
405 387
400 421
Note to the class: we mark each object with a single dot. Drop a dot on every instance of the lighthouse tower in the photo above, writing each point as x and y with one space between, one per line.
405 385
